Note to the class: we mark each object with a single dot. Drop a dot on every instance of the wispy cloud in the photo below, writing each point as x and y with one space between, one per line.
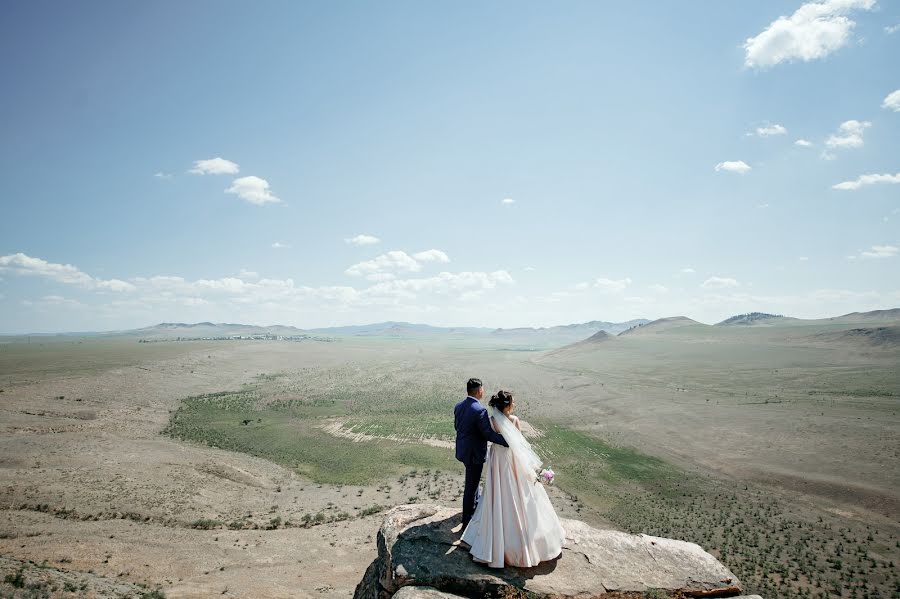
441 284
688 270
813 31
162 175
281 246
507 201
848 135
612 285
254 190
363 239
214 166
734 166
22 264
880 251
386 266
864 180
892 29
892 101
432 256
719 283
768 131
238 293
396 260
803 143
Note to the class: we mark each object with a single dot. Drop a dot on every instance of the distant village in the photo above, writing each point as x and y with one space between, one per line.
253 337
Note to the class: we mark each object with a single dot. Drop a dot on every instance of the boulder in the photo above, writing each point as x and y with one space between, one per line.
423 593
418 547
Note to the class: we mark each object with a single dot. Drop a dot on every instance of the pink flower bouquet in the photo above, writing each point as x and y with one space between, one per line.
545 476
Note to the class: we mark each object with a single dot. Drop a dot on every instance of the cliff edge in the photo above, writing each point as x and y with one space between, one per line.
419 557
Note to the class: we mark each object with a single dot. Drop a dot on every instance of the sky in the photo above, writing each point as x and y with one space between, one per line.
460 163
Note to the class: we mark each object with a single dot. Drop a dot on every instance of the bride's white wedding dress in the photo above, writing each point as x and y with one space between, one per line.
515 523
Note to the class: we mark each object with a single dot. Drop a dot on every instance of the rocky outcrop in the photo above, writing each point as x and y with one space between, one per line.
419 557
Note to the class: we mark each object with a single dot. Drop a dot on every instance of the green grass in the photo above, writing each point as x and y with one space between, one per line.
287 433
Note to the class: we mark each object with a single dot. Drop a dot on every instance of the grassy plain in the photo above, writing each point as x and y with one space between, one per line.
766 446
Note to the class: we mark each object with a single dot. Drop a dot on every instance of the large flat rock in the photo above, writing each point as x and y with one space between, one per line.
418 547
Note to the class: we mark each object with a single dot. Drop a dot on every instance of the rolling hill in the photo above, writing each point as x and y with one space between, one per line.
661 325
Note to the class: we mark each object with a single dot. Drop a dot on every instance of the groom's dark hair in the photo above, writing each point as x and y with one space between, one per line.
472 386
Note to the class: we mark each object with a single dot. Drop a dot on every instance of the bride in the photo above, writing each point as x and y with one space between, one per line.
514 523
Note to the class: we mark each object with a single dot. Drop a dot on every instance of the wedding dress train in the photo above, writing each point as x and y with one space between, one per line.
515 523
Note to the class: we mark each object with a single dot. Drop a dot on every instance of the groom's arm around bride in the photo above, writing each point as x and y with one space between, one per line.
473 431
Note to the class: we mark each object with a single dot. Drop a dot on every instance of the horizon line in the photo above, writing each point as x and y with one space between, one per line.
109 331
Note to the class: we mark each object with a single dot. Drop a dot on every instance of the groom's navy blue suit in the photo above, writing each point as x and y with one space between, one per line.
473 431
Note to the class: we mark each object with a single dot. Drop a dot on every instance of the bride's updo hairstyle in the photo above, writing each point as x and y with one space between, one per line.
501 400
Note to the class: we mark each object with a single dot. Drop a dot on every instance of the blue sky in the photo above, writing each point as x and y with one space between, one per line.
649 152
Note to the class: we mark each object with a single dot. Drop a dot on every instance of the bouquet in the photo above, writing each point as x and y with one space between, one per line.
545 476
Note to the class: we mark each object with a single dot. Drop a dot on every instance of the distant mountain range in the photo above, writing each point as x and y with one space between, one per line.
392 328
547 336
563 334
875 330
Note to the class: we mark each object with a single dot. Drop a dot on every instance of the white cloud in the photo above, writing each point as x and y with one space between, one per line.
612 285
762 206
275 300
719 283
214 166
892 29
383 267
52 302
508 201
582 286
441 284
253 189
803 143
657 288
248 274
769 131
363 239
194 301
162 175
849 135
864 180
23 264
814 31
432 256
529 269
734 166
880 251
892 101
688 271
396 260
281 246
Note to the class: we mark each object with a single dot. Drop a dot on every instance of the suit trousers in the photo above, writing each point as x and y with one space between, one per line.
473 477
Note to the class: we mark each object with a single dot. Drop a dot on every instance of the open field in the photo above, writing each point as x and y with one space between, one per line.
259 468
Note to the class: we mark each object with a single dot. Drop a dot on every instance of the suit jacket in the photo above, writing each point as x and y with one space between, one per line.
473 431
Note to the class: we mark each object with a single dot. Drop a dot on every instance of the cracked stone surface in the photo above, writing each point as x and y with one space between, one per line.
418 547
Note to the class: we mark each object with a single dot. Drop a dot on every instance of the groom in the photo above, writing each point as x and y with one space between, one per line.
473 431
